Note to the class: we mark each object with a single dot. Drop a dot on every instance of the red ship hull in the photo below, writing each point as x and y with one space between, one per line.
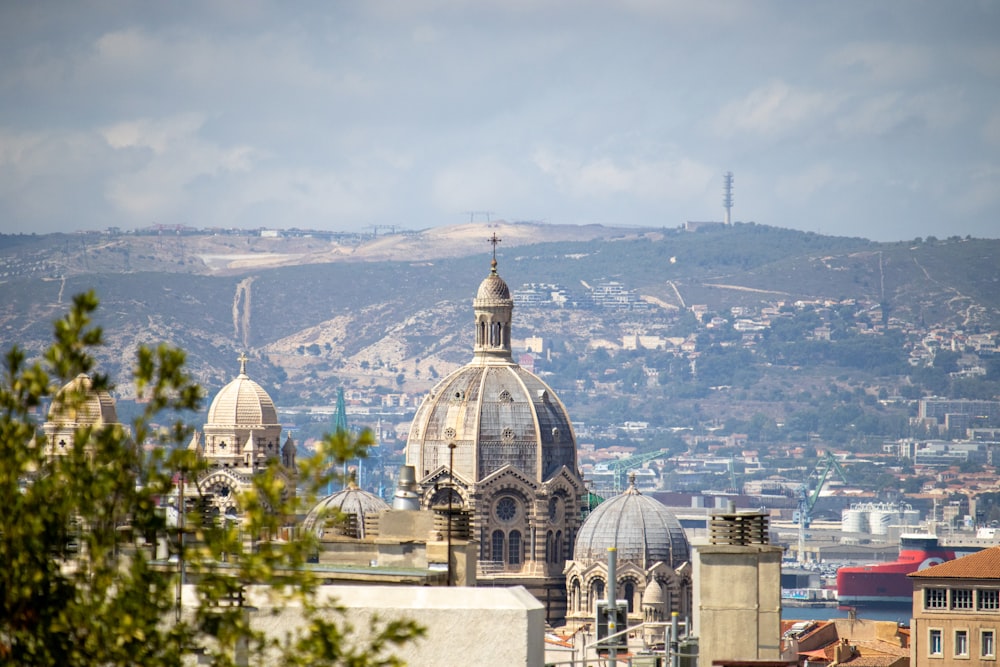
887 583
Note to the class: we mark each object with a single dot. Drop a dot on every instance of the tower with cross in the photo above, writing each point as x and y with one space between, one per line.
494 442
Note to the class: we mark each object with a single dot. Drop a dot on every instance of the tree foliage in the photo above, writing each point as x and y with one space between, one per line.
81 584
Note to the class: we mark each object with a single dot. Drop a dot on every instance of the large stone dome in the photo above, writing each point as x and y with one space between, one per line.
495 415
242 402
642 530
494 412
78 403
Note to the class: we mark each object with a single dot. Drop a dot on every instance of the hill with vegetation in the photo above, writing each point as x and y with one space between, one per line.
635 324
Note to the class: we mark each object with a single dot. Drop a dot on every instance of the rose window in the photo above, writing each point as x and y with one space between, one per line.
506 508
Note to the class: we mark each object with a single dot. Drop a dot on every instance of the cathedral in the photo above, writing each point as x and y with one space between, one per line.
491 443
495 441
241 436
77 405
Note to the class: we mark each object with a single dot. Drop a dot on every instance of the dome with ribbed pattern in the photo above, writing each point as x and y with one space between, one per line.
78 403
653 595
496 415
642 530
351 500
242 402
493 287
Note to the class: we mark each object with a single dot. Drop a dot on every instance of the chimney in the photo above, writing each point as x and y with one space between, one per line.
406 490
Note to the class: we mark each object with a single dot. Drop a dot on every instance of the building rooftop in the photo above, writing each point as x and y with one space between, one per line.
983 564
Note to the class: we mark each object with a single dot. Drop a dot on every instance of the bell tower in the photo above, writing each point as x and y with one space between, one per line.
494 310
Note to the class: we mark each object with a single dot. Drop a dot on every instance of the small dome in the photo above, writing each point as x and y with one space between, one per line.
242 402
79 403
494 287
653 596
351 500
643 531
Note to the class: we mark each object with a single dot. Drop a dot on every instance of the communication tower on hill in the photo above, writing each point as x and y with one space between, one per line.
727 196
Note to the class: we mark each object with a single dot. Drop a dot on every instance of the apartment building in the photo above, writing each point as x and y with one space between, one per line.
956 611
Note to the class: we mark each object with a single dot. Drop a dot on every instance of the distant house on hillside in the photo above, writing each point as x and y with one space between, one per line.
700 226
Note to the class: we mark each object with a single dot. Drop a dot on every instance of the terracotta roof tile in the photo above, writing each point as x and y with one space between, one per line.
983 564
872 661
875 647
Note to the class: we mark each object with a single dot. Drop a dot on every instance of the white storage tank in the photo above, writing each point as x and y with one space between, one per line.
854 520
879 520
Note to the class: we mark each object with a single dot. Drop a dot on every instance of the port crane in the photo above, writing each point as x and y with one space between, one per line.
622 466
808 498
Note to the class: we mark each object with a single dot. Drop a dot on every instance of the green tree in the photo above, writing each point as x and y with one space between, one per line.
947 360
78 584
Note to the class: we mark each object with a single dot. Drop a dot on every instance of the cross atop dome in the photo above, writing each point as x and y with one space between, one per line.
243 359
631 484
494 240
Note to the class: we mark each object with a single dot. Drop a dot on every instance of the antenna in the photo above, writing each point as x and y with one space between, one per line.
473 214
375 228
727 196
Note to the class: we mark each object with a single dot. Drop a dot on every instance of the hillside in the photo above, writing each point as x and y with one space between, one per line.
393 311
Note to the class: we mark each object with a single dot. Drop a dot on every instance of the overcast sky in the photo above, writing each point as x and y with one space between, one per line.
857 118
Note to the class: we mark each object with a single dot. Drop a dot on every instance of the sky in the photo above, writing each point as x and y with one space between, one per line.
849 117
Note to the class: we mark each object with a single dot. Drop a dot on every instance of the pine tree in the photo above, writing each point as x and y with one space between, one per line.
80 583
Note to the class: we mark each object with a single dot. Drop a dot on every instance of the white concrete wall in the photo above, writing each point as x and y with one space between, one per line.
485 627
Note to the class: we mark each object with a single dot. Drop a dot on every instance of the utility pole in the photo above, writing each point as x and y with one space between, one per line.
180 541
451 496
612 604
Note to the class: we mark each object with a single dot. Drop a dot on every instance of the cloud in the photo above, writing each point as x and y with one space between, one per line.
159 134
883 62
174 157
991 128
775 109
250 112
51 181
479 183
977 193
884 113
810 183
604 177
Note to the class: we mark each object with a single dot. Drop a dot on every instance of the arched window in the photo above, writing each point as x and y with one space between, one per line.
549 548
498 545
557 548
514 551
576 602
597 592
630 595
